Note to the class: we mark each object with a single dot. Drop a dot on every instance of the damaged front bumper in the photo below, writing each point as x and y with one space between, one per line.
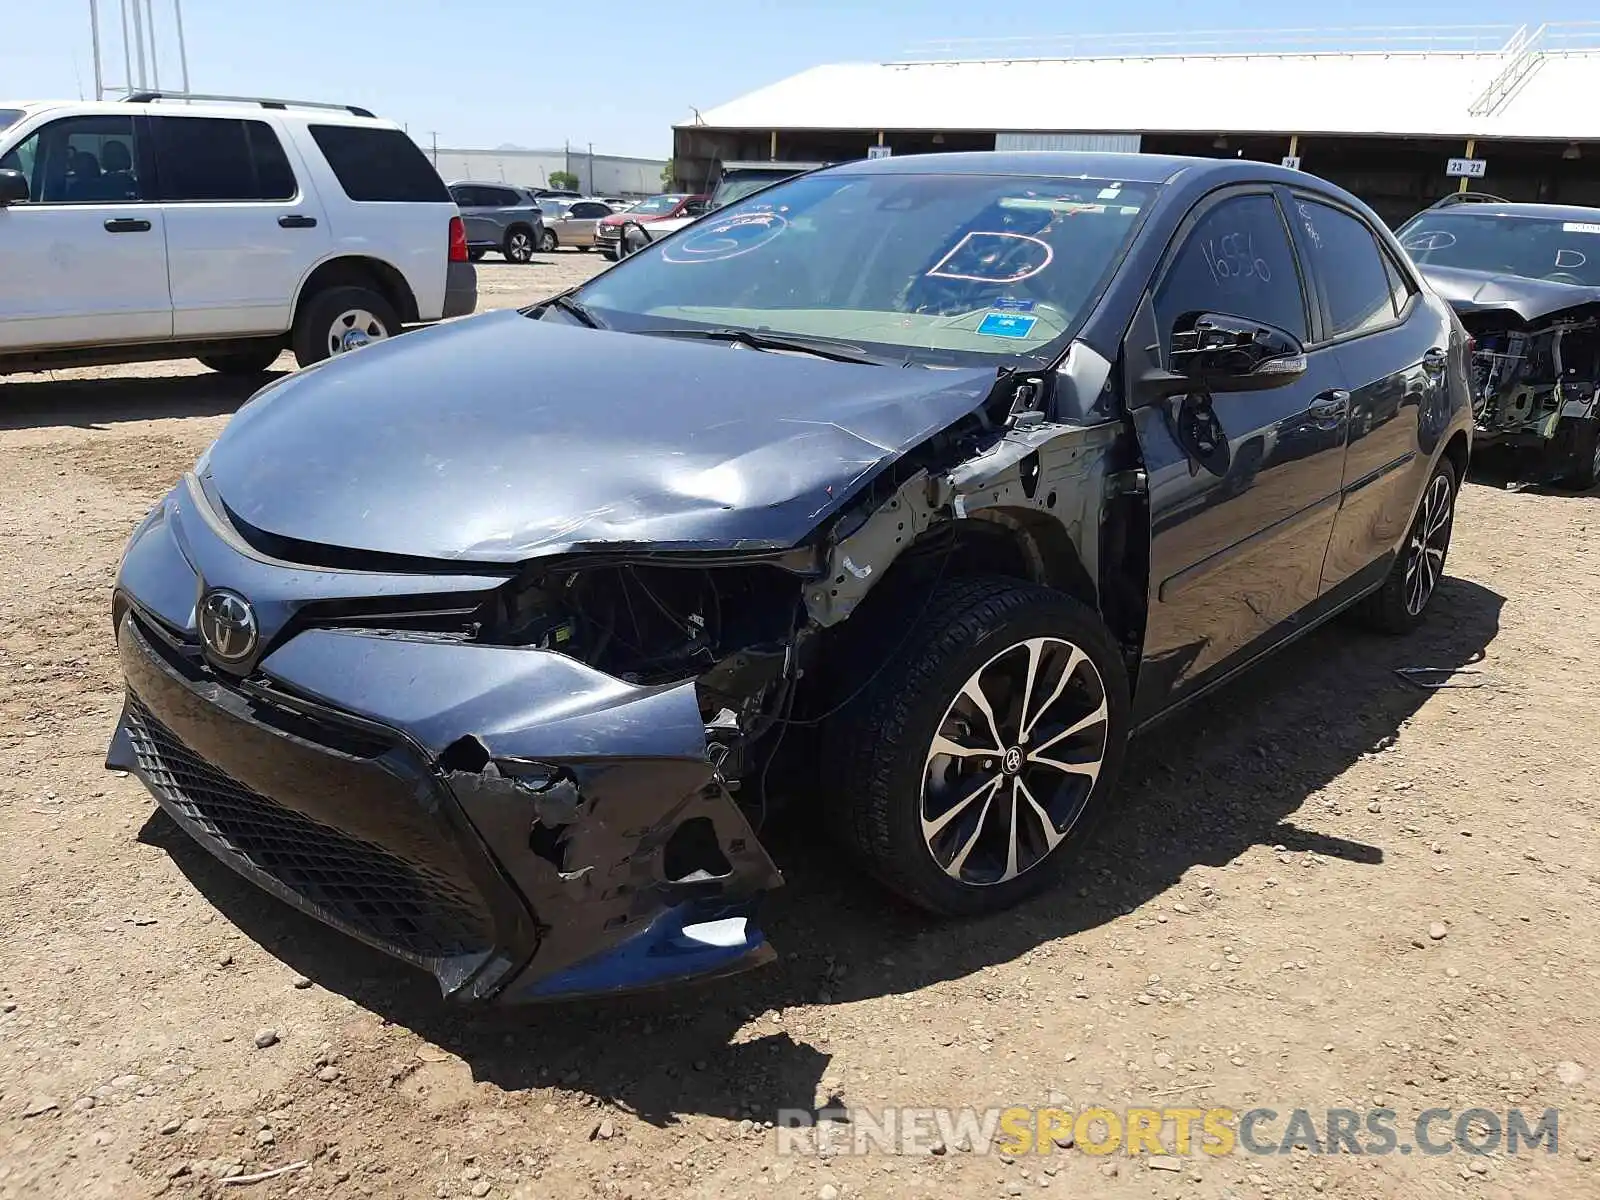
515 822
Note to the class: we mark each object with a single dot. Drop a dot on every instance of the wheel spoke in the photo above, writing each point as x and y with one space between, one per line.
1067 672
1052 837
1089 770
932 829
952 749
1098 716
973 691
1015 838
960 860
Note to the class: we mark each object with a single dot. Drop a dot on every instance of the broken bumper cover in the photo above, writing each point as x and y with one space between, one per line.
520 825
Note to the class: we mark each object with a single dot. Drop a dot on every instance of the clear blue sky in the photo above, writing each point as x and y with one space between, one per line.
616 73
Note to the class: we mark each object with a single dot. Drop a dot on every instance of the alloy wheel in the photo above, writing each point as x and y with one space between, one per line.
519 249
1428 543
547 241
1013 761
354 328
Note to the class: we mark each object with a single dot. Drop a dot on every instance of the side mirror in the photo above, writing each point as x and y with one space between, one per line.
1223 353
13 188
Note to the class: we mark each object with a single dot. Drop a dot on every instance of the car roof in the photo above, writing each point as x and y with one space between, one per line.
1550 212
199 108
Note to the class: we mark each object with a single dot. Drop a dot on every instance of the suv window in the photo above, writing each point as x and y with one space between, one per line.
500 197
79 160
1236 260
220 158
379 164
1349 267
588 210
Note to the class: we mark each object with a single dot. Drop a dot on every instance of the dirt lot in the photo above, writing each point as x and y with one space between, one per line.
1326 889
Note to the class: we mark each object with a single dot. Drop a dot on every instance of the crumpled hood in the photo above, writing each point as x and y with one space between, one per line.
500 438
1481 291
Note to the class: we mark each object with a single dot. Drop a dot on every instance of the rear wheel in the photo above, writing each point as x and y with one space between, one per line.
519 245
339 320
242 362
1398 606
966 772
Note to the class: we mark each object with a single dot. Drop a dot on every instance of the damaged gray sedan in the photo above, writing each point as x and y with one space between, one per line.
918 484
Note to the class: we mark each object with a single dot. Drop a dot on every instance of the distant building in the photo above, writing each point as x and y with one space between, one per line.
1381 112
598 174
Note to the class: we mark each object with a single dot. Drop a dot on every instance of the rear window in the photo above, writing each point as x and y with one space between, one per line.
379 164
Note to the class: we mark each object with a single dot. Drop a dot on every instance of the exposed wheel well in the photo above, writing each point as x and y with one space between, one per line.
518 226
1456 451
354 270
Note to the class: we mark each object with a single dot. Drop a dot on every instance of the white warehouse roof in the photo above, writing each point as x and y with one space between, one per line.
1537 83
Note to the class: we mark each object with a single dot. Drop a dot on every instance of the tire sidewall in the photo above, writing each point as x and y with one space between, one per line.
316 319
511 240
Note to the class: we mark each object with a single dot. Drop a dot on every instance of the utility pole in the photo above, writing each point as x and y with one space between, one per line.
590 188
94 34
434 135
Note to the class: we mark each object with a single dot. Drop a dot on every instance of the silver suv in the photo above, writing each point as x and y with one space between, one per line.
499 217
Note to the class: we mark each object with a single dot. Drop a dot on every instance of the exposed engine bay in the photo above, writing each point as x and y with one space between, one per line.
1528 379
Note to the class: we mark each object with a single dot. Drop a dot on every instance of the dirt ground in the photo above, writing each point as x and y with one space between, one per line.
1325 889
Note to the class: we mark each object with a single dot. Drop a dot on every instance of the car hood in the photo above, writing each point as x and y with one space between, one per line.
500 438
1481 291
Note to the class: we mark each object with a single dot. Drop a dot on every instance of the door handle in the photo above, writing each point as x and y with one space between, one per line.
1330 407
297 221
127 225
1435 361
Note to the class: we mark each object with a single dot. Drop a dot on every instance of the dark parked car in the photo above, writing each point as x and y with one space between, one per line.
499 217
925 526
1525 280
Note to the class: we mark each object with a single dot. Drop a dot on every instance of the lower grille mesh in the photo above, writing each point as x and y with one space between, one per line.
415 912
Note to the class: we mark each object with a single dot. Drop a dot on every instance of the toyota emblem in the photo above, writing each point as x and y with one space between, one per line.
227 626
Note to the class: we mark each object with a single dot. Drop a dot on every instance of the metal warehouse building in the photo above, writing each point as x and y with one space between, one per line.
597 174
1382 112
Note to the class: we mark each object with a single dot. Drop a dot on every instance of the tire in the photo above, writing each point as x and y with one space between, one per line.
883 776
358 311
1401 602
1587 474
548 241
519 244
242 362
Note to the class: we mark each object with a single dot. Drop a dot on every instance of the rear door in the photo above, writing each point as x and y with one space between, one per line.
1243 486
241 229
579 227
1392 353
84 260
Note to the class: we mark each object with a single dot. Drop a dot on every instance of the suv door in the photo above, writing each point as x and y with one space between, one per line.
477 215
242 231
1243 486
84 260
1392 351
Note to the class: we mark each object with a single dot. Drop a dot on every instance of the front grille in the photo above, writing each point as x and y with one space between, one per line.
413 911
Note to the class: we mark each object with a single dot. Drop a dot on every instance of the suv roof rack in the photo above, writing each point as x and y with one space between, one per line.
264 101
1455 198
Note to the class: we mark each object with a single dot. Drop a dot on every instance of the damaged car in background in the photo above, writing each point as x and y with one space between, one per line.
902 493
1525 281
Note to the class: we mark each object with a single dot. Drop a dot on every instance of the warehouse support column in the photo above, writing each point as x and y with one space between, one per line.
772 147
1472 145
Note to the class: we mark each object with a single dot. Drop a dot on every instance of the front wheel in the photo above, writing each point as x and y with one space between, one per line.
1587 473
1399 604
548 242
966 773
340 320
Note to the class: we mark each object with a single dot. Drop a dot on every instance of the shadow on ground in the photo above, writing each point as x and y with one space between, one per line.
38 401
1201 789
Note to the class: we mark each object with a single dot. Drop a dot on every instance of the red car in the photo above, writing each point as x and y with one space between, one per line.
654 208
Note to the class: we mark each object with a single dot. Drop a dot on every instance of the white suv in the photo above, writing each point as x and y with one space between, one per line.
223 230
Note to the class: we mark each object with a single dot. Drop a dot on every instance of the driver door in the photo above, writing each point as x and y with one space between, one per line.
1243 486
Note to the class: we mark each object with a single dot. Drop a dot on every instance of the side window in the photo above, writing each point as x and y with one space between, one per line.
1237 260
694 208
590 210
1353 275
218 158
80 160
1399 287
502 197
465 197
378 164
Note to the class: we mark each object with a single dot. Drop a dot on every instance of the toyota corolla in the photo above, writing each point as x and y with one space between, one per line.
903 492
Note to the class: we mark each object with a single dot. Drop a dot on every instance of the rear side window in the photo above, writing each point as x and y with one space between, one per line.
379 164
1237 261
502 197
1350 268
218 158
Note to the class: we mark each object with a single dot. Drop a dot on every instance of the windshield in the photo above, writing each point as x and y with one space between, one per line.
657 204
9 117
1564 251
937 269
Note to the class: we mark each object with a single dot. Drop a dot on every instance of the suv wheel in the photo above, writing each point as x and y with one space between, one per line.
548 241
242 362
1587 474
965 774
519 245
1398 606
339 320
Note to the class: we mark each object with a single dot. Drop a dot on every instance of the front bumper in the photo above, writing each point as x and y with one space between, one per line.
460 290
510 820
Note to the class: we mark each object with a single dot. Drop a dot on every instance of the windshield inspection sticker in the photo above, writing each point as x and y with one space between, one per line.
1007 325
1580 227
